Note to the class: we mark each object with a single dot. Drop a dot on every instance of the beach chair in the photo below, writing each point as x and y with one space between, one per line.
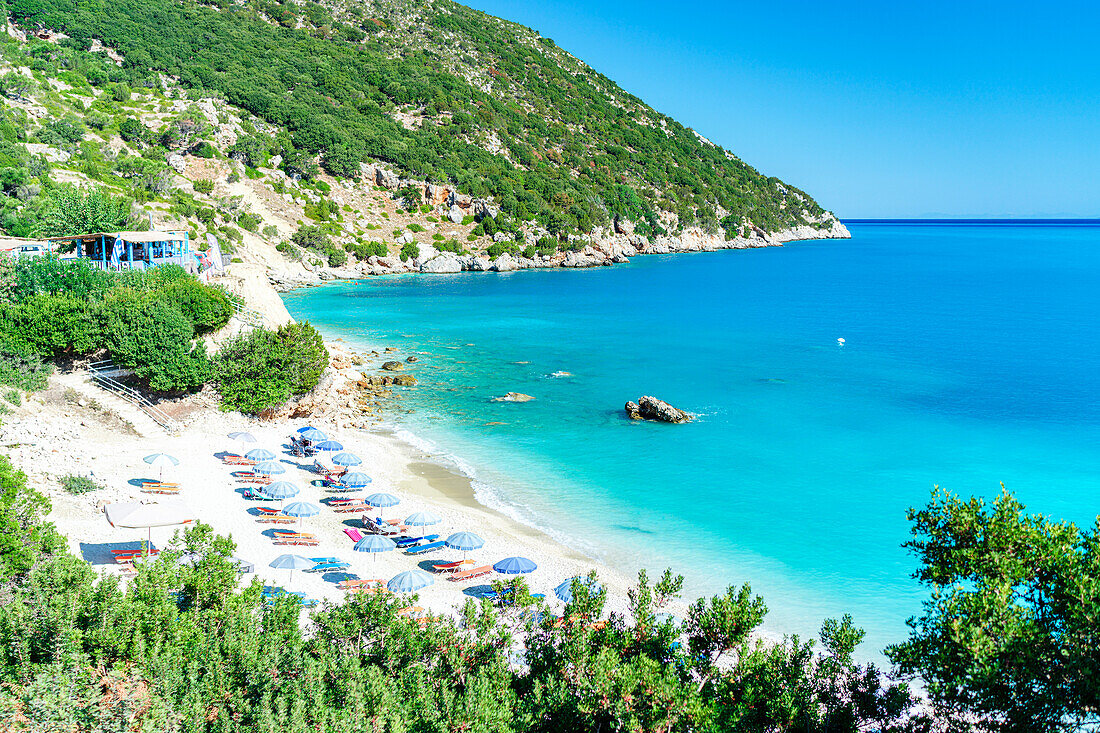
403 542
325 567
354 534
325 559
424 549
159 487
463 575
275 519
451 567
353 583
298 541
235 460
349 508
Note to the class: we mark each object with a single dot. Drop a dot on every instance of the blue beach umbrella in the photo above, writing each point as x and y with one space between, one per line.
381 500
422 519
312 434
515 566
355 480
564 592
292 563
269 468
160 460
301 509
241 437
346 459
465 541
410 581
375 543
329 446
279 490
259 454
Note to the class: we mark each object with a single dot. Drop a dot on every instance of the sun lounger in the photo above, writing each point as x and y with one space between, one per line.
300 541
451 567
349 508
359 583
379 589
403 542
422 549
354 534
472 573
252 478
411 611
235 460
159 487
325 559
329 567
275 518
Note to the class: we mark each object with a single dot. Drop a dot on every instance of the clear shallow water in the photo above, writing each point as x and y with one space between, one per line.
971 358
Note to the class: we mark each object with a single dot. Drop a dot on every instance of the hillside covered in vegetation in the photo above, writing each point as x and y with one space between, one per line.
438 92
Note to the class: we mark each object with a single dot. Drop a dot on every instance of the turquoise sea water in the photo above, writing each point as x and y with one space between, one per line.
970 358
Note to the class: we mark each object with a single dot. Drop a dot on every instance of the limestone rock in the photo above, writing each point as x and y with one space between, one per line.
504 263
651 408
177 162
514 397
478 264
454 214
445 263
393 366
386 179
624 226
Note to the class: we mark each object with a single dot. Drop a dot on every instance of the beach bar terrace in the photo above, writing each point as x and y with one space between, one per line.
132 250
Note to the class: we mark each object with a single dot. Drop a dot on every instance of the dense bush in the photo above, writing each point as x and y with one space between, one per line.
409 251
203 185
78 484
71 210
363 250
207 308
265 368
153 337
22 367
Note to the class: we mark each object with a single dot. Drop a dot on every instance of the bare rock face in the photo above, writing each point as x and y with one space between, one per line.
514 397
446 263
386 179
651 408
624 226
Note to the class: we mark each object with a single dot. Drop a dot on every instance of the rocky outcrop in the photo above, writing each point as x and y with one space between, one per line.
514 397
444 263
651 408
397 380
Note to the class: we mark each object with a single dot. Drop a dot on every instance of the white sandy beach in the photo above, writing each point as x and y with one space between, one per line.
53 435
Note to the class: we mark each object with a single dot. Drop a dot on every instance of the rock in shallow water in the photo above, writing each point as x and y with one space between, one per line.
514 397
651 408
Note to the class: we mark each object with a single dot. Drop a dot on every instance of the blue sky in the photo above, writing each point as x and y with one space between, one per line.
876 109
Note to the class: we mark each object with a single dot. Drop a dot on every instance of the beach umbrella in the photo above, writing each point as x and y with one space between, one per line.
160 460
292 562
375 543
312 434
259 454
301 509
464 541
422 519
346 459
515 566
269 468
410 581
329 446
381 500
279 490
564 592
134 515
241 437
355 480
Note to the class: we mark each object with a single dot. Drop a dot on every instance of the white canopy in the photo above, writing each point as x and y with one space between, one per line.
150 236
134 515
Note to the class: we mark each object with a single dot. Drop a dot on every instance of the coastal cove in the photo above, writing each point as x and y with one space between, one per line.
967 361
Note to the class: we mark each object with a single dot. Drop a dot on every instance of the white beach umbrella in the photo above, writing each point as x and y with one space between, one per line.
135 515
161 460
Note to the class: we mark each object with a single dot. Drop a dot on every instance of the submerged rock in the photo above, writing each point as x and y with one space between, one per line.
514 397
393 366
651 408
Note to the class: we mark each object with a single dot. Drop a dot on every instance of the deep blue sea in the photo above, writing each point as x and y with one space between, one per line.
971 356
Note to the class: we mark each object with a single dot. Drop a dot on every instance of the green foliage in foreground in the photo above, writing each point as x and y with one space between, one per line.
264 368
1010 636
1007 644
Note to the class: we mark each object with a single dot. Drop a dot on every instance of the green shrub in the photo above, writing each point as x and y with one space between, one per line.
414 227
270 230
132 131
364 250
467 220
78 485
498 248
13 396
50 325
336 256
203 185
311 237
71 210
410 251
530 251
290 251
452 245
264 368
207 307
249 221
547 246
120 93
437 237
204 150
22 368
153 337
